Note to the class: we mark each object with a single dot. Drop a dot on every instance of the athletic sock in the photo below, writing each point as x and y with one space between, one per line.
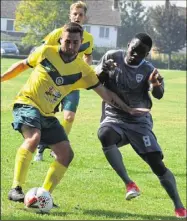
114 157
169 184
67 126
22 162
54 175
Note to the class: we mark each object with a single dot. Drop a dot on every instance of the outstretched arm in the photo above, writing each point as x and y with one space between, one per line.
15 70
112 98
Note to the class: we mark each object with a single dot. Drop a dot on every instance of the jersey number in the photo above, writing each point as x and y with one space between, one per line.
146 141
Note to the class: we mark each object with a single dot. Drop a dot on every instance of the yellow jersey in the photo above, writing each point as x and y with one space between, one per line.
86 47
52 79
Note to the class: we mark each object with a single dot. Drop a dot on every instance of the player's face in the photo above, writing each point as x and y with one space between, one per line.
70 43
136 52
77 15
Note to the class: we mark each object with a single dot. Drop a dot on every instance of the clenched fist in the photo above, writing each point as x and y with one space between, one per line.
155 78
109 65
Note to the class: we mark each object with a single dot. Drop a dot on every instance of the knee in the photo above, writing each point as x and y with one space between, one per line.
69 117
102 134
108 136
64 153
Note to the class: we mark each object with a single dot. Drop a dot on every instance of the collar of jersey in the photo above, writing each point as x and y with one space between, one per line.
60 51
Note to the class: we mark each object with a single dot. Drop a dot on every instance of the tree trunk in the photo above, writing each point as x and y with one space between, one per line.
169 61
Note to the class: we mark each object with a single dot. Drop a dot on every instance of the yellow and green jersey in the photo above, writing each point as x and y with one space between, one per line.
86 48
52 79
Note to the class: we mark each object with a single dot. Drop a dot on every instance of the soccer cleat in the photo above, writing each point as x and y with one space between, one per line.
38 157
16 194
181 213
132 191
55 205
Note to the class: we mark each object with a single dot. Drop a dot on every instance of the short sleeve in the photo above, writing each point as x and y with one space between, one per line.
53 38
36 56
89 78
89 50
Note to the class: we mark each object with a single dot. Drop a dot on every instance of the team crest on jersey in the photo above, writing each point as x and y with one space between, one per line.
59 81
139 78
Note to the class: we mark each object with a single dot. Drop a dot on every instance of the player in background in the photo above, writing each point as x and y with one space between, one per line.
57 71
70 103
130 76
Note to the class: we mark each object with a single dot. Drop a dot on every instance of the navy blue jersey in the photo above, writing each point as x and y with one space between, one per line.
130 83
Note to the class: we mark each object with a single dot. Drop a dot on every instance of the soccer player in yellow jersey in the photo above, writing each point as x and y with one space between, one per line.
70 102
57 71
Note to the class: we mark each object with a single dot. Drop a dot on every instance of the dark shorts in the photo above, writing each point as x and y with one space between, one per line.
51 130
71 101
139 135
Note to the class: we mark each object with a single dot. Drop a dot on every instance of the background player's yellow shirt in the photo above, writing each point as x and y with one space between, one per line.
53 38
52 79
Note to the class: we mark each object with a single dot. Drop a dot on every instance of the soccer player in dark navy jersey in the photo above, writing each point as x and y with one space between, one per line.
131 77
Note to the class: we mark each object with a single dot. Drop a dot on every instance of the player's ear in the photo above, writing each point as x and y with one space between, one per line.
147 54
85 18
82 40
128 44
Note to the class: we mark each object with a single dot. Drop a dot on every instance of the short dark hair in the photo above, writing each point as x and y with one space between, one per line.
145 39
73 27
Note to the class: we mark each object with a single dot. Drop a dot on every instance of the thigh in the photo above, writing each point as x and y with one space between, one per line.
118 127
71 101
26 115
108 136
52 131
142 139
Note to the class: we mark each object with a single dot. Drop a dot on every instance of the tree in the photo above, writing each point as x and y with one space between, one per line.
132 20
38 18
167 28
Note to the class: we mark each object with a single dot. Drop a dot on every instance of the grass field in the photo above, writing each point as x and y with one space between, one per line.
90 189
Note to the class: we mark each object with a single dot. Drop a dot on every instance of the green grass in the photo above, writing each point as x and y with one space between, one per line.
90 190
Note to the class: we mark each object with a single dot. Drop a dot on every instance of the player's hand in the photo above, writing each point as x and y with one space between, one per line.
155 78
109 65
138 111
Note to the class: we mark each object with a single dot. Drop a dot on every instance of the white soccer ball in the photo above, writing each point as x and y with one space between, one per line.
40 199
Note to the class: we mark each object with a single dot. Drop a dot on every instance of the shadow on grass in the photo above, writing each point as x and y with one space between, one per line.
52 212
137 171
117 215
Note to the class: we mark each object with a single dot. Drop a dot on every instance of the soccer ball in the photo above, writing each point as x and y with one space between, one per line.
40 199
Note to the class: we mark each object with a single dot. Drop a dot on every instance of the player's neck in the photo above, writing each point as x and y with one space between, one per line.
133 66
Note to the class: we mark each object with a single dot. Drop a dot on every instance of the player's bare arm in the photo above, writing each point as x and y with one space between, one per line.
112 98
88 58
15 70
157 84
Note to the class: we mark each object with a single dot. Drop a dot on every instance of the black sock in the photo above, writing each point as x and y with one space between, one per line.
114 158
169 184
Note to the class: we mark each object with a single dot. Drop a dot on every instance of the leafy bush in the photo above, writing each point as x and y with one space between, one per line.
98 52
178 62
24 49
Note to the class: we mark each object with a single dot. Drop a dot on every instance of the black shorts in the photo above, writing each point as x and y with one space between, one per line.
139 135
